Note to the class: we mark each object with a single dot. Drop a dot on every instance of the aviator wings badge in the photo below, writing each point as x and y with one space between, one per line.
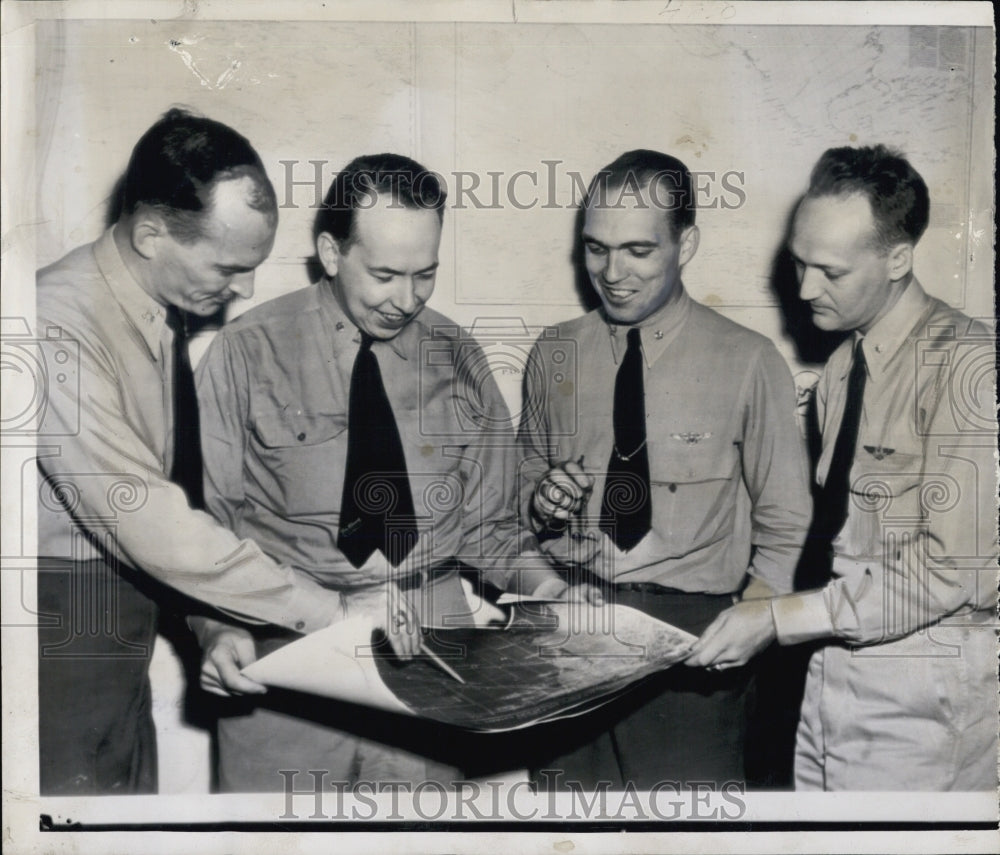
690 438
879 452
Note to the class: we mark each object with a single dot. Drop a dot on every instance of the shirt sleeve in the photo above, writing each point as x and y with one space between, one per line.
775 471
944 564
160 533
223 382
533 435
492 537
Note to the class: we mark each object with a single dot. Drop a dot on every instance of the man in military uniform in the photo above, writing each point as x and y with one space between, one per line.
903 694
335 441
118 506
674 477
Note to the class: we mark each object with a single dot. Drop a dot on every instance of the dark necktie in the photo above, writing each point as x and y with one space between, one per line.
833 498
625 508
186 470
376 511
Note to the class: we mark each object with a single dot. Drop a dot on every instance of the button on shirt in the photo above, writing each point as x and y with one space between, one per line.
106 444
273 395
919 542
727 463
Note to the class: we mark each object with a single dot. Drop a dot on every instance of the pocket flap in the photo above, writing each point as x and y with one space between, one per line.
288 429
878 469
689 462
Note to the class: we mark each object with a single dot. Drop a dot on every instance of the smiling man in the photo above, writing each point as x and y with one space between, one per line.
351 430
119 457
673 474
903 693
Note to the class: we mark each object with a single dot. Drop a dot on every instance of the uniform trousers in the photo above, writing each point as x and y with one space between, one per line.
95 639
918 713
684 725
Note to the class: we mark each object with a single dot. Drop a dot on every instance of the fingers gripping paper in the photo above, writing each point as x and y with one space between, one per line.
335 662
549 662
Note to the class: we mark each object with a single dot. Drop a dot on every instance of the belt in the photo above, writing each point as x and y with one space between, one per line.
663 590
689 610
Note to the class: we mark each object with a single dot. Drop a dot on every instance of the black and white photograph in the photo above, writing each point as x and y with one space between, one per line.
538 425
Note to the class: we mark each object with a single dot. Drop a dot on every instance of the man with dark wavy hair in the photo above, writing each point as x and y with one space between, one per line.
902 694
197 215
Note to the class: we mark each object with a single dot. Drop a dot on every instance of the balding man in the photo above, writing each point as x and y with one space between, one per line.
198 216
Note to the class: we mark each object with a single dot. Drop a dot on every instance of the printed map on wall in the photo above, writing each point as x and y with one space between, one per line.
724 102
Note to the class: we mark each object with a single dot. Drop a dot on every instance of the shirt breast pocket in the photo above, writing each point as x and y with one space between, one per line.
889 484
302 457
693 485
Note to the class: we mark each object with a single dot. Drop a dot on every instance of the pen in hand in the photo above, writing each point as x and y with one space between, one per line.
584 496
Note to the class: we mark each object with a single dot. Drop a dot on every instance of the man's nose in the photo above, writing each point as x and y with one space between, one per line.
614 270
810 281
404 299
242 284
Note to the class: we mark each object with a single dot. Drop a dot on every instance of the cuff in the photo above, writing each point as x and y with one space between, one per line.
309 607
313 607
801 617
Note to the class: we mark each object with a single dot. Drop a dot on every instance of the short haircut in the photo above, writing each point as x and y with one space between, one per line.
668 178
897 194
177 164
357 185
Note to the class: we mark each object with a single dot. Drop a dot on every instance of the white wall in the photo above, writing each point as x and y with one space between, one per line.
761 101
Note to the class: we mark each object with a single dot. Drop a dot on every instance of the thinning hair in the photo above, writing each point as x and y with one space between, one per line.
363 180
897 194
177 164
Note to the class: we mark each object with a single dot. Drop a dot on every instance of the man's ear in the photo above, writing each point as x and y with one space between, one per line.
328 252
690 238
900 261
146 230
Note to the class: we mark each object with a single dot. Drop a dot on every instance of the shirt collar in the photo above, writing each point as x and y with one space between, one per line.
656 331
146 315
345 330
883 341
